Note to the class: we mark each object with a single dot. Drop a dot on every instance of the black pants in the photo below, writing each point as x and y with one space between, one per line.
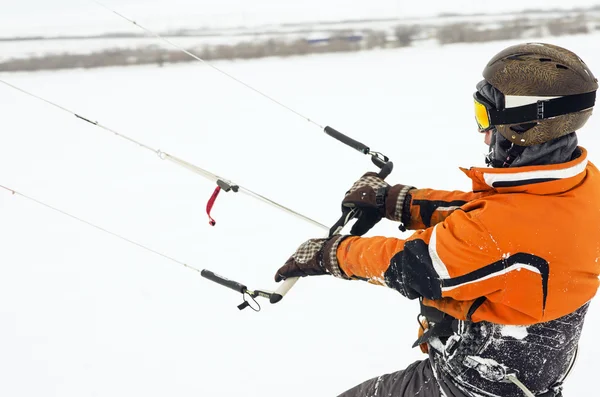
416 380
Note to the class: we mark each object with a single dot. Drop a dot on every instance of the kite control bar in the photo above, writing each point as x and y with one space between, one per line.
273 297
380 160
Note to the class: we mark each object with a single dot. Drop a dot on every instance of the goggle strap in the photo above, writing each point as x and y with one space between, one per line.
543 109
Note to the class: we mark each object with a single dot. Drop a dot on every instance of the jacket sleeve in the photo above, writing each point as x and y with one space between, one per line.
424 208
453 259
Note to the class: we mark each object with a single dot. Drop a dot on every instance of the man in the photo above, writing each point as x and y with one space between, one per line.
504 273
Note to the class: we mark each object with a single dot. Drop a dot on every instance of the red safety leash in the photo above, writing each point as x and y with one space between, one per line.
210 204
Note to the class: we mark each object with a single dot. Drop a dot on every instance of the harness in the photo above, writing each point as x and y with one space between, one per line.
435 323
441 325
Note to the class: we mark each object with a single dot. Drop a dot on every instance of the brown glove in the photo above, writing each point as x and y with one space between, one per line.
313 258
375 199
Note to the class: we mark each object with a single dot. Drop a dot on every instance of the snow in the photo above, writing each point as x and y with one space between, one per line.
220 31
31 48
84 17
85 314
514 331
488 368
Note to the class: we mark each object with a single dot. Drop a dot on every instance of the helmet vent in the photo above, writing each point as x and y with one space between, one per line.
558 66
545 60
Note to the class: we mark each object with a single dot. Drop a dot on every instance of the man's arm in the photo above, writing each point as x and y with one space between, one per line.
424 208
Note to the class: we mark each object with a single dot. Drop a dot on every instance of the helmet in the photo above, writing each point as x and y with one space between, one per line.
538 74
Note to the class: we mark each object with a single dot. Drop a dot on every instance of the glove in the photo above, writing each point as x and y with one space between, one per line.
314 257
367 195
374 198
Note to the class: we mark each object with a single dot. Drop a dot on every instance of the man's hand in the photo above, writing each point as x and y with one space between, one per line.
374 199
313 258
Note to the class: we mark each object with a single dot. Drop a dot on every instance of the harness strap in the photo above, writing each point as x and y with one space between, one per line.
439 324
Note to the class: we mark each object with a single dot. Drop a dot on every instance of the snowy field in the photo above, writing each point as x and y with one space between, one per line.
23 49
85 314
245 32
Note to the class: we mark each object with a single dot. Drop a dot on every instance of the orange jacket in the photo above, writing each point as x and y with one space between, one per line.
526 239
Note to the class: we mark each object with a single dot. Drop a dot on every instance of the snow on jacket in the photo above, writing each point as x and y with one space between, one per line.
521 249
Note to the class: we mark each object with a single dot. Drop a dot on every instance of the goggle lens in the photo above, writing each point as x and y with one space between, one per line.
481 116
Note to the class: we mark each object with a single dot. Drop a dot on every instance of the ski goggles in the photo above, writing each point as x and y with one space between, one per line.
482 113
538 108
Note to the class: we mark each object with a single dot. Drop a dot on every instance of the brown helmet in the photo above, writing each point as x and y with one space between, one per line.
541 70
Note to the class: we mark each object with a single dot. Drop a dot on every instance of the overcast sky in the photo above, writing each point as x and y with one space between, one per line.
30 17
